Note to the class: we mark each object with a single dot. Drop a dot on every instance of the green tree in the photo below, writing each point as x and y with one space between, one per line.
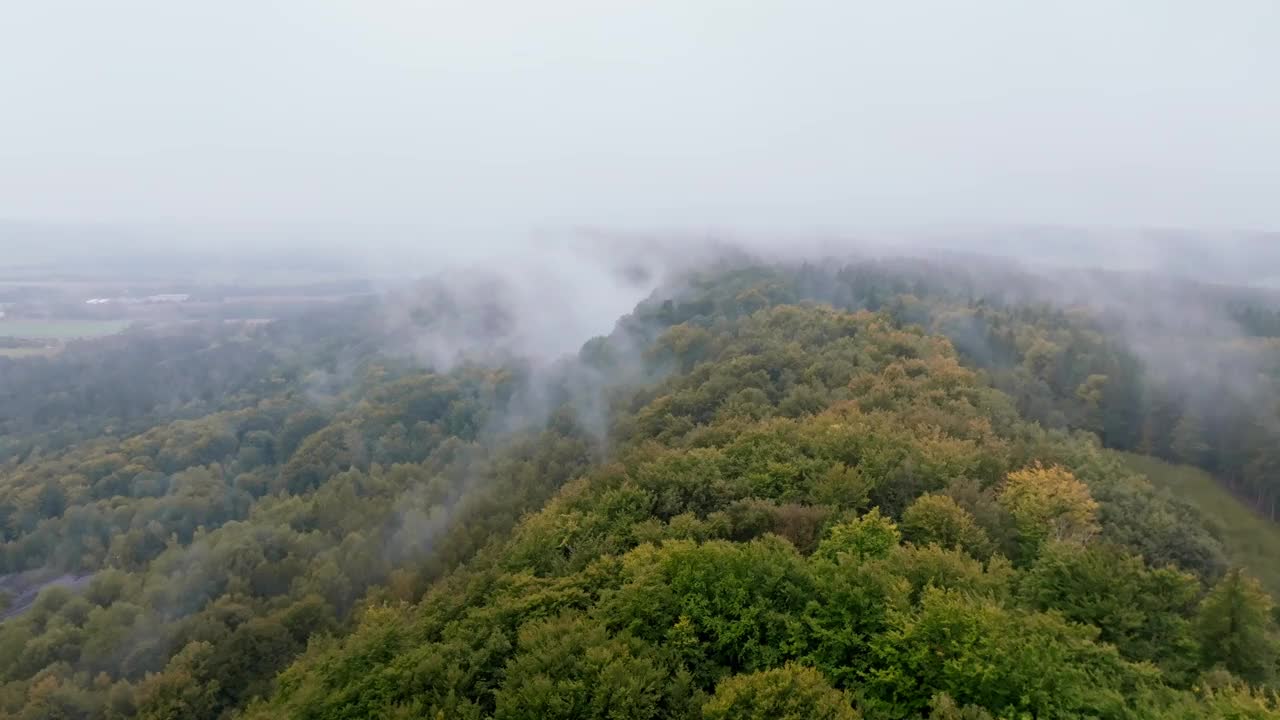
937 519
1146 613
568 668
1187 441
1091 393
184 689
791 692
1236 628
870 536
852 603
1014 663
718 606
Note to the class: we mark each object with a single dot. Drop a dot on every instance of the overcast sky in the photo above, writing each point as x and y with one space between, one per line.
647 114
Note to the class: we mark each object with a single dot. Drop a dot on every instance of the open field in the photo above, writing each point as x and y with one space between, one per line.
55 329
1251 540
26 352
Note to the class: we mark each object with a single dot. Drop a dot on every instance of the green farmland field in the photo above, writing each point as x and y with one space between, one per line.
60 329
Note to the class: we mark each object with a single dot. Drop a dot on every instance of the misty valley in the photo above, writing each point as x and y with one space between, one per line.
878 485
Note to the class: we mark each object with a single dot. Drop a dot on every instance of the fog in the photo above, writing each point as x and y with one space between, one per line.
489 124
348 191
545 166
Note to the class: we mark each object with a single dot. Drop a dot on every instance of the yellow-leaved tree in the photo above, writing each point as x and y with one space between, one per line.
1049 503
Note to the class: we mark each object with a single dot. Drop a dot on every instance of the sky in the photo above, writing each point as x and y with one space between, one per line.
516 117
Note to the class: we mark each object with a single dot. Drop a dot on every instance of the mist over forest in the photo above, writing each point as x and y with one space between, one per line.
639 361
1080 455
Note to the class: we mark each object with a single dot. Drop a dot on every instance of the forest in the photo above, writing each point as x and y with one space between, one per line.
877 488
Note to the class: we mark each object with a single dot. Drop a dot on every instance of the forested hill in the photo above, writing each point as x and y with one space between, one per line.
878 490
1184 371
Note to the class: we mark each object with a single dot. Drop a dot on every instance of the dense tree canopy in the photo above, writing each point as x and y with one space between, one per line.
778 492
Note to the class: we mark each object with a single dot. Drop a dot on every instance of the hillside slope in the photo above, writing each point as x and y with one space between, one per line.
818 512
770 490
1249 540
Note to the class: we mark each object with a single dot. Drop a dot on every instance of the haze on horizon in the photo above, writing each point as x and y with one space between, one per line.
506 118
